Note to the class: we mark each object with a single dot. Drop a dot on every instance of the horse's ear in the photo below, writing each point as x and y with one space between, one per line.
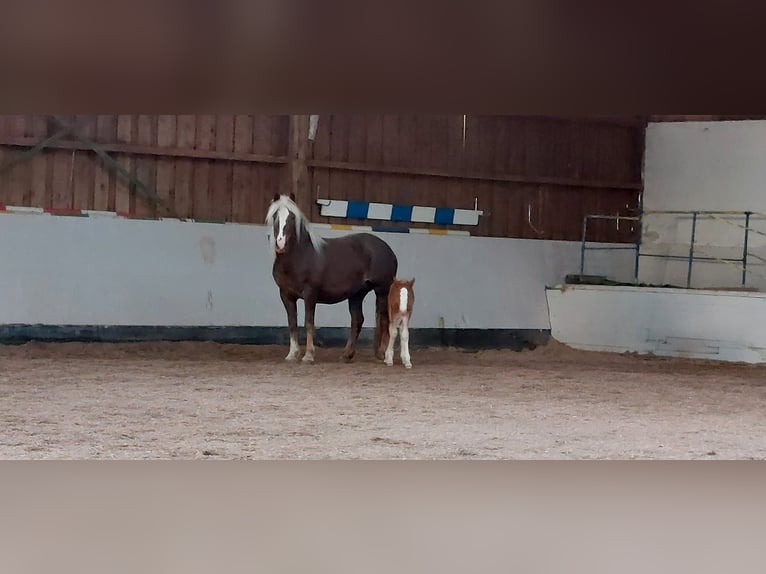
412 282
276 197
292 196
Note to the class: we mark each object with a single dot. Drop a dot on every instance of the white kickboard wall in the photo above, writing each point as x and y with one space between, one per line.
716 325
109 271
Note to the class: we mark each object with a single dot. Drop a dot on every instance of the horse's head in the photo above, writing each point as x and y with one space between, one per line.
282 216
288 225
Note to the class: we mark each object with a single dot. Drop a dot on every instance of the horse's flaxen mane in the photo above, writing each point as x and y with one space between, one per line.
301 222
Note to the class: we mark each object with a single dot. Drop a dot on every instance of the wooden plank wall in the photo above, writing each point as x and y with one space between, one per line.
207 167
534 177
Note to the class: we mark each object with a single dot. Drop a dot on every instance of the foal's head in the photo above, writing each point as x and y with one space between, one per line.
403 284
401 296
288 225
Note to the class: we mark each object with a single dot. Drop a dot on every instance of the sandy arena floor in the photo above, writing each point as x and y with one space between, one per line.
190 400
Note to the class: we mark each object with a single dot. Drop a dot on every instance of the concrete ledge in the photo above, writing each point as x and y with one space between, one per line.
692 323
515 339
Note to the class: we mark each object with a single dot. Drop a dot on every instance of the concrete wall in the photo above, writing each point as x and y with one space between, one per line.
673 322
109 271
704 166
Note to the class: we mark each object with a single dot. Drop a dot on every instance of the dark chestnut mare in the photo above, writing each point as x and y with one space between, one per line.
328 271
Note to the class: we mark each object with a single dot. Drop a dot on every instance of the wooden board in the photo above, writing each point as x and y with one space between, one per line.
243 176
123 194
221 177
186 130
534 176
167 136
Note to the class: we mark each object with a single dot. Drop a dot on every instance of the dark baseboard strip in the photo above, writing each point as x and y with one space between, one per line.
476 339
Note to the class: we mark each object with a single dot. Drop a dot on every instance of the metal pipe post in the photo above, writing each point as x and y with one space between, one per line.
744 248
691 250
582 245
639 233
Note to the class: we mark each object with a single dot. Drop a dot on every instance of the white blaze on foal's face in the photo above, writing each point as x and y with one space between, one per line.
281 237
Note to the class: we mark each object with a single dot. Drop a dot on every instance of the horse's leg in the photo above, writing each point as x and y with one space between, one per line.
382 334
404 335
356 308
376 341
311 304
291 306
389 356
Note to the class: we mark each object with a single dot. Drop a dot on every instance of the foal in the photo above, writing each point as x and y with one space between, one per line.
401 297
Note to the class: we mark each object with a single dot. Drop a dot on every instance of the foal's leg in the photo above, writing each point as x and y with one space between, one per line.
291 306
405 344
356 308
382 333
389 356
310 308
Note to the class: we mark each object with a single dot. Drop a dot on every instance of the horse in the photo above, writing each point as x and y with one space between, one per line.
401 298
328 271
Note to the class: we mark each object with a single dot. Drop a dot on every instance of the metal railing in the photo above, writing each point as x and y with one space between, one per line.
692 256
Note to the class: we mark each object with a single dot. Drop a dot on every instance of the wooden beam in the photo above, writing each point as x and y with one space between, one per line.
299 152
131 149
535 180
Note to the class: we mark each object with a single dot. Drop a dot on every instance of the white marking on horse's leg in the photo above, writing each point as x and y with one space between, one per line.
405 346
389 358
403 299
308 357
294 349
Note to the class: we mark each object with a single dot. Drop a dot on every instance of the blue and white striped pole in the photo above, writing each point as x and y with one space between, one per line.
398 213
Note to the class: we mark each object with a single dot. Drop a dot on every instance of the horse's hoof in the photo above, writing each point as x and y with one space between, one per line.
407 365
291 358
308 359
347 358
389 363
